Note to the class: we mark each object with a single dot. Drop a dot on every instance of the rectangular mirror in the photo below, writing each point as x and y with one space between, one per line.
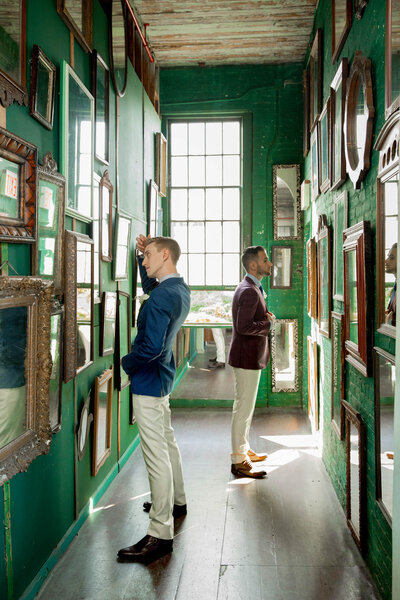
315 78
341 23
78 17
123 339
284 356
282 270
107 327
95 235
122 246
315 177
312 292
392 77
12 52
101 93
338 100
152 209
161 164
106 203
102 419
324 276
340 224
286 197
313 395
324 125
385 379
43 85
77 143
338 374
56 350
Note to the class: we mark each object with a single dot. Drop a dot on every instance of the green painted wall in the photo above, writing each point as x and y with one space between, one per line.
269 100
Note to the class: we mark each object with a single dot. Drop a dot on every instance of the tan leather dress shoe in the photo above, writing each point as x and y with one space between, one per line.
246 469
254 457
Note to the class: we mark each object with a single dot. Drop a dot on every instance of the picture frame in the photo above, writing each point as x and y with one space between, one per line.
78 17
355 474
25 313
43 85
338 102
123 340
315 78
95 235
315 176
77 141
106 211
152 209
48 257
285 356
312 280
392 91
101 94
306 111
108 323
12 65
338 374
358 282
324 262
313 396
282 272
286 202
56 350
102 419
85 420
384 384
340 25
122 241
340 224
18 165
161 164
118 46
78 302
324 148
305 194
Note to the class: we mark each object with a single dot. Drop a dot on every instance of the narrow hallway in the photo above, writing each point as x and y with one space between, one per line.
282 538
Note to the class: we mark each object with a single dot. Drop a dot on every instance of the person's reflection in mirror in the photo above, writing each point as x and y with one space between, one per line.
391 268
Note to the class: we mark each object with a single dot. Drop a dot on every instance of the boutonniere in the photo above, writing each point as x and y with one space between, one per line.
143 298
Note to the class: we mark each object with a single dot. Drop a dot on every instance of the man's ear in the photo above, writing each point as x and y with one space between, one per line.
165 253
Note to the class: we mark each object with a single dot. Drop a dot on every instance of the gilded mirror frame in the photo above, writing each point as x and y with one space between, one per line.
296 203
12 90
106 378
312 280
295 386
56 349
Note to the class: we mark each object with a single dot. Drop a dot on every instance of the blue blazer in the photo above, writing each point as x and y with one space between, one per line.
151 363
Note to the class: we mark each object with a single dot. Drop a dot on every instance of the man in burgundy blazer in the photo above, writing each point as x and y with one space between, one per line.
248 355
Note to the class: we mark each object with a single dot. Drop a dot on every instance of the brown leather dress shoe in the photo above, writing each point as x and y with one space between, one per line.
254 457
146 550
179 510
246 469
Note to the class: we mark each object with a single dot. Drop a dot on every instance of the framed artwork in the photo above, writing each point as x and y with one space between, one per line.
313 400
118 45
107 326
341 24
306 111
384 380
43 85
282 272
122 243
56 350
18 164
95 235
340 224
123 340
102 421
13 53
106 203
285 356
324 148
338 101
357 297
359 7
101 94
78 17
85 420
315 177
315 79
312 289
324 276
358 119
152 209
387 214
161 164
77 143
305 194
25 370
286 202
355 474
48 259
392 58
338 374
78 302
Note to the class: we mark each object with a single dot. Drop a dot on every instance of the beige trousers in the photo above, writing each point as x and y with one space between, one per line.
245 389
163 462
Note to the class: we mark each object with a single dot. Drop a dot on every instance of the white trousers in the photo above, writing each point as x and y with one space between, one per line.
245 388
219 339
163 462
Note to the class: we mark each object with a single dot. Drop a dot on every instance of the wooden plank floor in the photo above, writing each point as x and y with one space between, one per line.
282 538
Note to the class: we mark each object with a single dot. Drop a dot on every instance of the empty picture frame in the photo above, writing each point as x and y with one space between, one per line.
108 321
18 163
313 400
78 17
152 209
324 276
161 164
13 53
56 351
315 79
102 421
338 101
282 270
286 202
123 338
341 24
338 374
285 356
312 281
315 176
25 370
340 224
43 85
122 241
101 94
106 204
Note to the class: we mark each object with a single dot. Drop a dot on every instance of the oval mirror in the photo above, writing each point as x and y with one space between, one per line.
118 46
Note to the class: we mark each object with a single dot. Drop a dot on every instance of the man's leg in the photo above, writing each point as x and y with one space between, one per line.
246 385
174 455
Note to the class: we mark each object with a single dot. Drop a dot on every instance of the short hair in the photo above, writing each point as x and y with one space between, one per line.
249 254
169 243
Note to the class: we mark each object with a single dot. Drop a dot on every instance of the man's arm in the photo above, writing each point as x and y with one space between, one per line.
148 283
245 323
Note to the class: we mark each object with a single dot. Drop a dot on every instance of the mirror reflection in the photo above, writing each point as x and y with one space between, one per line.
84 304
359 134
74 8
284 356
54 392
10 174
354 473
324 284
286 188
337 373
101 111
102 418
10 38
385 433
395 91
118 47
390 199
281 258
352 296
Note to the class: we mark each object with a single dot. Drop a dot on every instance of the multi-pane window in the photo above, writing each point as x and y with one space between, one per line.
205 200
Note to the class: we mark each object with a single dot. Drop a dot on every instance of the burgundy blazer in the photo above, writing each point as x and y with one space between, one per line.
250 344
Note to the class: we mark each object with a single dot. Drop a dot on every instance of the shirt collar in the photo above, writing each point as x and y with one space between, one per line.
170 276
253 278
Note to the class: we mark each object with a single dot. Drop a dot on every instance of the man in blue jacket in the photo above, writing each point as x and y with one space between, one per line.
151 367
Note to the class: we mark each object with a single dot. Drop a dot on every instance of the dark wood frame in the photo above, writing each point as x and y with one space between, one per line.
312 281
161 164
105 377
117 245
96 61
324 232
295 387
37 296
118 367
273 260
48 173
391 104
354 417
105 183
324 145
152 206
39 56
338 89
23 154
58 309
358 238
106 296
296 202
339 37
313 399
358 162
338 238
359 7
306 111
119 91
85 409
11 90
315 176
95 235
315 83
84 36
338 369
